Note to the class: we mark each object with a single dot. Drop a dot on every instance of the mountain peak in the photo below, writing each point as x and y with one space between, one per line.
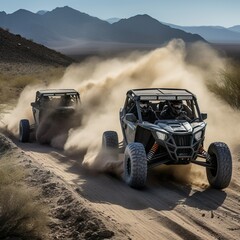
141 19
66 12
144 17
64 9
22 11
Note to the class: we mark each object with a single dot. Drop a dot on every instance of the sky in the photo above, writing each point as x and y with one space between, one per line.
224 13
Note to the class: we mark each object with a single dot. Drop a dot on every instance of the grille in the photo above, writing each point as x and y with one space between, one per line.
181 147
183 140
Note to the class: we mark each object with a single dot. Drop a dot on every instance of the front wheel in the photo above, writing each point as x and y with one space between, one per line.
219 175
135 165
24 130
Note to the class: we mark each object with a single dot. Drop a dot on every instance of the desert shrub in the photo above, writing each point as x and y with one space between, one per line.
21 214
10 174
5 147
227 86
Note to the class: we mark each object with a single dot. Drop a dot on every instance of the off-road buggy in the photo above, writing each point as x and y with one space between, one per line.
149 140
54 112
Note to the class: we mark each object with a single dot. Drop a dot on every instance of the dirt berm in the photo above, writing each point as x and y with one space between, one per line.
70 216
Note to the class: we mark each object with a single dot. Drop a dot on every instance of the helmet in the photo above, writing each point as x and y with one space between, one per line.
144 106
175 106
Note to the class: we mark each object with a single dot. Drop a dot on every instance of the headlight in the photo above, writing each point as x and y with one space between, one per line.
198 135
161 136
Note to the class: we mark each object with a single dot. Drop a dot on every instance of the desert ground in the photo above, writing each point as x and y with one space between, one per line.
88 205
89 200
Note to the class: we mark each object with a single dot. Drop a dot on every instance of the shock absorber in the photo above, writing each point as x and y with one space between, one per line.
152 151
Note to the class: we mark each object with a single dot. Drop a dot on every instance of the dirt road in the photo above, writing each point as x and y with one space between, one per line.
165 209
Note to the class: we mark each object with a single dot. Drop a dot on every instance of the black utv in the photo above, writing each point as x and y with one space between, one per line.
153 134
54 111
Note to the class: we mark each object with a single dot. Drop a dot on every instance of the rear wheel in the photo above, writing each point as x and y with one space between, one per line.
110 142
135 165
219 176
24 130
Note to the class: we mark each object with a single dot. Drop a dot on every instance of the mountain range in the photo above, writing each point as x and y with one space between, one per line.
214 34
64 27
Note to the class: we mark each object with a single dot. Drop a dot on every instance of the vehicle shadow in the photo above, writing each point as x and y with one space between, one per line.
162 191
209 199
159 193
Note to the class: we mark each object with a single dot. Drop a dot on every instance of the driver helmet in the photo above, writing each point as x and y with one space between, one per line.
144 106
176 106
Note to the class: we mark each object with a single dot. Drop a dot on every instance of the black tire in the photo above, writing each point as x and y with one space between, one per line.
220 176
24 130
110 143
110 140
135 165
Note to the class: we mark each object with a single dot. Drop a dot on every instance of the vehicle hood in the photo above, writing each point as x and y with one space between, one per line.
176 126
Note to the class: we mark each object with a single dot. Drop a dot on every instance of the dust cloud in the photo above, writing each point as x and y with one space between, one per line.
21 111
103 85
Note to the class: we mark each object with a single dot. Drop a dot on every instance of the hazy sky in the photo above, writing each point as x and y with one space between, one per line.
181 12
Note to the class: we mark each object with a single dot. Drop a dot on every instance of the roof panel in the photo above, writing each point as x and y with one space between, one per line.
174 92
142 92
57 91
161 92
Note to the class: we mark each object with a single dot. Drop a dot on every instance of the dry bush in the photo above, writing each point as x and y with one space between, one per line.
227 87
21 215
10 174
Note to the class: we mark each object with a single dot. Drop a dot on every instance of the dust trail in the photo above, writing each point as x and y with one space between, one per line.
22 110
103 85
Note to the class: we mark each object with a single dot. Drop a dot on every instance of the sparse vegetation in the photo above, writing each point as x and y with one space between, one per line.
14 77
227 87
21 215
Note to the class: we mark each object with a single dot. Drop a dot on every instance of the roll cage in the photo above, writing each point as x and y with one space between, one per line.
157 99
54 96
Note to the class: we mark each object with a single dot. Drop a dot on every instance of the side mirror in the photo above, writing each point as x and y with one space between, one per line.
204 116
130 117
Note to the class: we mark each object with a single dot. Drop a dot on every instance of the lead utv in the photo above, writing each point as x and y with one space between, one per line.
149 140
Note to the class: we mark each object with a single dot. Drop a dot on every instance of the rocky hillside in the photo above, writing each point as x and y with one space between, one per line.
14 48
23 62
